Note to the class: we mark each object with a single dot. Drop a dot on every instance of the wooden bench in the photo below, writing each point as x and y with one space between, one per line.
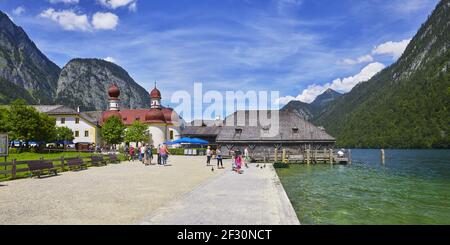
76 163
113 158
42 167
98 161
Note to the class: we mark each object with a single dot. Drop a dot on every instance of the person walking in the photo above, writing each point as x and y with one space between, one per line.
150 154
131 153
164 154
219 158
208 156
246 157
158 153
143 153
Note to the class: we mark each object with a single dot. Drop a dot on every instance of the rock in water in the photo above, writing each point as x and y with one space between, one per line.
85 82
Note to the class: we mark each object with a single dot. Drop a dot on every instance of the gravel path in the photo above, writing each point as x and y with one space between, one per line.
116 194
253 198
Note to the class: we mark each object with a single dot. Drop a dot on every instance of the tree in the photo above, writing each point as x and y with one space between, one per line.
137 132
3 127
64 134
25 123
113 130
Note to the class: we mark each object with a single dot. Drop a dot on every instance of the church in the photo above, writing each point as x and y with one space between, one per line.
164 124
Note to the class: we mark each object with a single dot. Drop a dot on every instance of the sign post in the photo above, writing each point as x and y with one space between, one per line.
4 146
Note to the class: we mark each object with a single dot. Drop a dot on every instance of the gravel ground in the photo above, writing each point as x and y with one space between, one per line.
116 194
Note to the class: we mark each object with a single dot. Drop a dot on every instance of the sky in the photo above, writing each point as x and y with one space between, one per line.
297 47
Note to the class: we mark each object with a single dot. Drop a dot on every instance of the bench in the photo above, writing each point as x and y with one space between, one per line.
42 167
76 163
98 161
113 158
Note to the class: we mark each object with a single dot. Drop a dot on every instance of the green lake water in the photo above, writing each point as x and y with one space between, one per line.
413 187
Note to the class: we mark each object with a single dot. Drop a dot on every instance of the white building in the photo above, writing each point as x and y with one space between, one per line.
163 123
86 129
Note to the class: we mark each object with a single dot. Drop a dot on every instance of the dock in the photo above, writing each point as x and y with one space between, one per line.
308 156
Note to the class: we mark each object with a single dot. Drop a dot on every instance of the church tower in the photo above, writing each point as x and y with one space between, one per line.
155 98
114 100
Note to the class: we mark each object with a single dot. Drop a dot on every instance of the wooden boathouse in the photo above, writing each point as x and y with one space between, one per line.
270 136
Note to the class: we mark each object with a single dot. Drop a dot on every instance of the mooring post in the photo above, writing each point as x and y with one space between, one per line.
284 155
382 156
349 156
331 156
307 156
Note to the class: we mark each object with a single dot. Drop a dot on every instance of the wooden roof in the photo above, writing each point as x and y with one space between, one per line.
291 128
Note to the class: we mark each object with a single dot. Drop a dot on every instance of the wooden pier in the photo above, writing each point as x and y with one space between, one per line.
308 156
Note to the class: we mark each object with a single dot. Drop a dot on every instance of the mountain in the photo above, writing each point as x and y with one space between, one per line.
407 105
85 82
328 96
304 110
309 111
24 66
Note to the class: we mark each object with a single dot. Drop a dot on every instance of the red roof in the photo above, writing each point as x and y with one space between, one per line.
143 115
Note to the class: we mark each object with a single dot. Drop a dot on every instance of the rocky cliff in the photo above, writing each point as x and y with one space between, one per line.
22 64
85 82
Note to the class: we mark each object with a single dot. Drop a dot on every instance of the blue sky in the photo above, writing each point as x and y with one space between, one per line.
297 47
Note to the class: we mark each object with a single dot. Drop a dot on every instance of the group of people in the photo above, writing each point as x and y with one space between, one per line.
237 159
144 153
214 153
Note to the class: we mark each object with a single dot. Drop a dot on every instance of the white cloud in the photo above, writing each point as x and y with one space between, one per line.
19 10
105 21
362 59
110 59
342 85
65 1
395 49
67 19
113 4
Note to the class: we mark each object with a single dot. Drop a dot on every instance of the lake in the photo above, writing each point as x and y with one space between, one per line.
413 187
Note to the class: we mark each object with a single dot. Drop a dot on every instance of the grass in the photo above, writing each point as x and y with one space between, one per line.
36 156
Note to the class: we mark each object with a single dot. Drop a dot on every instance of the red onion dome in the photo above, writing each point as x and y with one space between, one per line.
155 116
114 91
155 94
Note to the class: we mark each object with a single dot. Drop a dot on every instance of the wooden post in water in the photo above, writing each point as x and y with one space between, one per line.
315 156
284 155
331 156
350 156
382 157
307 156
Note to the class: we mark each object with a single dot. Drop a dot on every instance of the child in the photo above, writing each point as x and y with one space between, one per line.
238 164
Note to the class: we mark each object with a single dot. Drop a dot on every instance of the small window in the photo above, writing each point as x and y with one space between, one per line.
63 120
295 130
171 134
138 118
77 133
86 133
238 130
77 120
